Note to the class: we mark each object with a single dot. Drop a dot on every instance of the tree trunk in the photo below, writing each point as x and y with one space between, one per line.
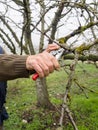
42 94
41 86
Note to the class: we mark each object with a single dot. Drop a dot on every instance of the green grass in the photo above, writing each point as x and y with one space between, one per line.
21 101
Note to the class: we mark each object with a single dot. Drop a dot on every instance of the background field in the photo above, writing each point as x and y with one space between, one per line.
25 115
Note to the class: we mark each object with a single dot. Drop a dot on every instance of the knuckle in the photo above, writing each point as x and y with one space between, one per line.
50 65
40 71
38 58
46 69
52 58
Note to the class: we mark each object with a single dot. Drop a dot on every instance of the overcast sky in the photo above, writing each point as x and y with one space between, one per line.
62 31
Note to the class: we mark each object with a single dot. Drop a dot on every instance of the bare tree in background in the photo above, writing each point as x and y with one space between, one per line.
73 23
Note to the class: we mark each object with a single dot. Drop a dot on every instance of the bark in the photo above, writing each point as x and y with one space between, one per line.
91 57
42 11
56 21
27 24
41 86
65 107
42 94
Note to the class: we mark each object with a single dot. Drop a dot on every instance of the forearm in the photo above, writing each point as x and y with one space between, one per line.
13 66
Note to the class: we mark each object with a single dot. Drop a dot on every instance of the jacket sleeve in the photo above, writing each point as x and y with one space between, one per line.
13 66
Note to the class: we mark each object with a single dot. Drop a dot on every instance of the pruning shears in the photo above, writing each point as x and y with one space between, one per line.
57 53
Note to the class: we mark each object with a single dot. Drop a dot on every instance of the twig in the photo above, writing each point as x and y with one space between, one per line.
65 107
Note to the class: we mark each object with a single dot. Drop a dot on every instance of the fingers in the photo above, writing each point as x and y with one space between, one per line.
41 66
52 47
53 63
32 63
43 63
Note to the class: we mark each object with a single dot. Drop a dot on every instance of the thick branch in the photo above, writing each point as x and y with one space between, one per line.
56 20
82 57
18 2
10 29
77 31
27 23
7 36
7 43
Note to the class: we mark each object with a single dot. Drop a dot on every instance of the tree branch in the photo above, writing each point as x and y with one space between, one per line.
68 87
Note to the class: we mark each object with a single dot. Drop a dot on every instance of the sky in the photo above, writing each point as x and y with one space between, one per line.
62 31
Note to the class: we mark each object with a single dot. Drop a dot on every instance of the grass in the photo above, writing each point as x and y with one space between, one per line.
21 102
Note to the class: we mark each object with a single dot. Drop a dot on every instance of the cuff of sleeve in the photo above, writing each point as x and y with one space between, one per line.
20 67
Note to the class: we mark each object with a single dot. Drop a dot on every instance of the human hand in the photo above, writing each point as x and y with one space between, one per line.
52 47
43 63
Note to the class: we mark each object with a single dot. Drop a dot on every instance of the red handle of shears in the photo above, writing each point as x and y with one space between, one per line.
35 76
